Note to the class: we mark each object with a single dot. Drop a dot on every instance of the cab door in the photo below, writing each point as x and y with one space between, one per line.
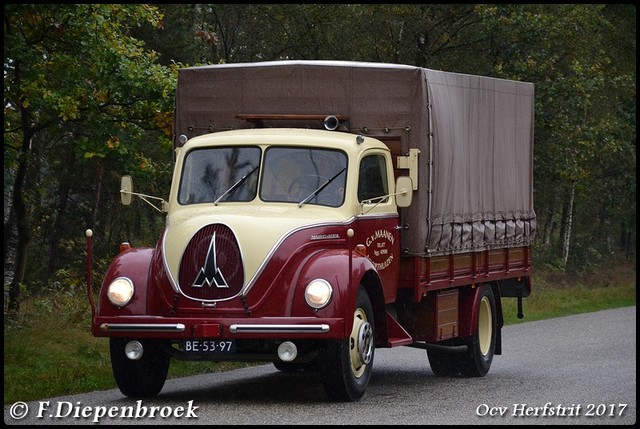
377 221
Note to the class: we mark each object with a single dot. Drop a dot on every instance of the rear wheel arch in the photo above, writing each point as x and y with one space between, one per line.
499 317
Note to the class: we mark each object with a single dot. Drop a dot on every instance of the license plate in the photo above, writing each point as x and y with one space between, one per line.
209 346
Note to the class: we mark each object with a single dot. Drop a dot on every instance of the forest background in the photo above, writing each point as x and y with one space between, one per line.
89 96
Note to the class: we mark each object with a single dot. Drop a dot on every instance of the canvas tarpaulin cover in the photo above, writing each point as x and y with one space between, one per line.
482 162
474 134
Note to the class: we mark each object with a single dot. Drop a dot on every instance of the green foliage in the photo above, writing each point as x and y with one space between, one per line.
97 105
585 99
557 294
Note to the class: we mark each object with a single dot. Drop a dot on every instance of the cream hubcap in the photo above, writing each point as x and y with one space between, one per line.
485 325
360 343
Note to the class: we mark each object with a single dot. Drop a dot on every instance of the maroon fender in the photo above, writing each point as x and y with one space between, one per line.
344 269
134 264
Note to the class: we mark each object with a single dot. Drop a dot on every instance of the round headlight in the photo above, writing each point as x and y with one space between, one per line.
120 291
318 293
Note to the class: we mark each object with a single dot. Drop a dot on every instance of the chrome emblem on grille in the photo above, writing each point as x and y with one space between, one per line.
210 274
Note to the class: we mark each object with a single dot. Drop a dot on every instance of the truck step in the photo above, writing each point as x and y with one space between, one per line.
397 336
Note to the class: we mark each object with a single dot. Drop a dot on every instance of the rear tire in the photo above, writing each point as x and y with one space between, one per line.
444 363
142 378
346 365
476 361
482 343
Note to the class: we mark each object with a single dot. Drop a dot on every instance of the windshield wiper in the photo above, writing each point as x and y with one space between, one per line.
235 185
324 185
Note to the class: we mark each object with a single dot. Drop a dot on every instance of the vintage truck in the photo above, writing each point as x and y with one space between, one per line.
320 210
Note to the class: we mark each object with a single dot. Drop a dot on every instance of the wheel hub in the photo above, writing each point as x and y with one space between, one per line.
485 326
365 343
361 343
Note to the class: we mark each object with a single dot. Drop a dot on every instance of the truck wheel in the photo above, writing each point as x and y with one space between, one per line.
444 363
346 365
477 361
142 378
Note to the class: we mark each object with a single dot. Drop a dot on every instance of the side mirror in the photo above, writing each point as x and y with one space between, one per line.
126 189
404 191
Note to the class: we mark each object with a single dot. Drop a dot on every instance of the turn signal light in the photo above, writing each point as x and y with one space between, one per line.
361 249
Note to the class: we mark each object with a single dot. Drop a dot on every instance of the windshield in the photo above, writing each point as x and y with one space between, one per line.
304 176
288 174
219 174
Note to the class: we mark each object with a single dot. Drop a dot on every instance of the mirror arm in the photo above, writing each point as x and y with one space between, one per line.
144 197
379 200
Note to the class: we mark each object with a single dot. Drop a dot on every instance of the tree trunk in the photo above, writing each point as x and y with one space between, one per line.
548 224
56 233
21 216
98 189
568 221
8 235
19 210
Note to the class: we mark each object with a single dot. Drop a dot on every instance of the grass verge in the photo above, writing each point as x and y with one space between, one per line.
555 295
49 350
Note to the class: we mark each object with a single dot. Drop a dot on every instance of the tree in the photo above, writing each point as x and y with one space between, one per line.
580 95
418 34
80 93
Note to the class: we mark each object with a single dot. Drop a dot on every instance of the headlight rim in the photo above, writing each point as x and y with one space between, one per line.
329 293
125 302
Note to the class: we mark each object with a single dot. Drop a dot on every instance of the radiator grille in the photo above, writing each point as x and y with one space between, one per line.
211 266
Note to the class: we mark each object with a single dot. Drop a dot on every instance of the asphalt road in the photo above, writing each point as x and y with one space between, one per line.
573 370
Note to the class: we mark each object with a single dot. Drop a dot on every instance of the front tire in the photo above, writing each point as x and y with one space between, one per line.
142 378
346 365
